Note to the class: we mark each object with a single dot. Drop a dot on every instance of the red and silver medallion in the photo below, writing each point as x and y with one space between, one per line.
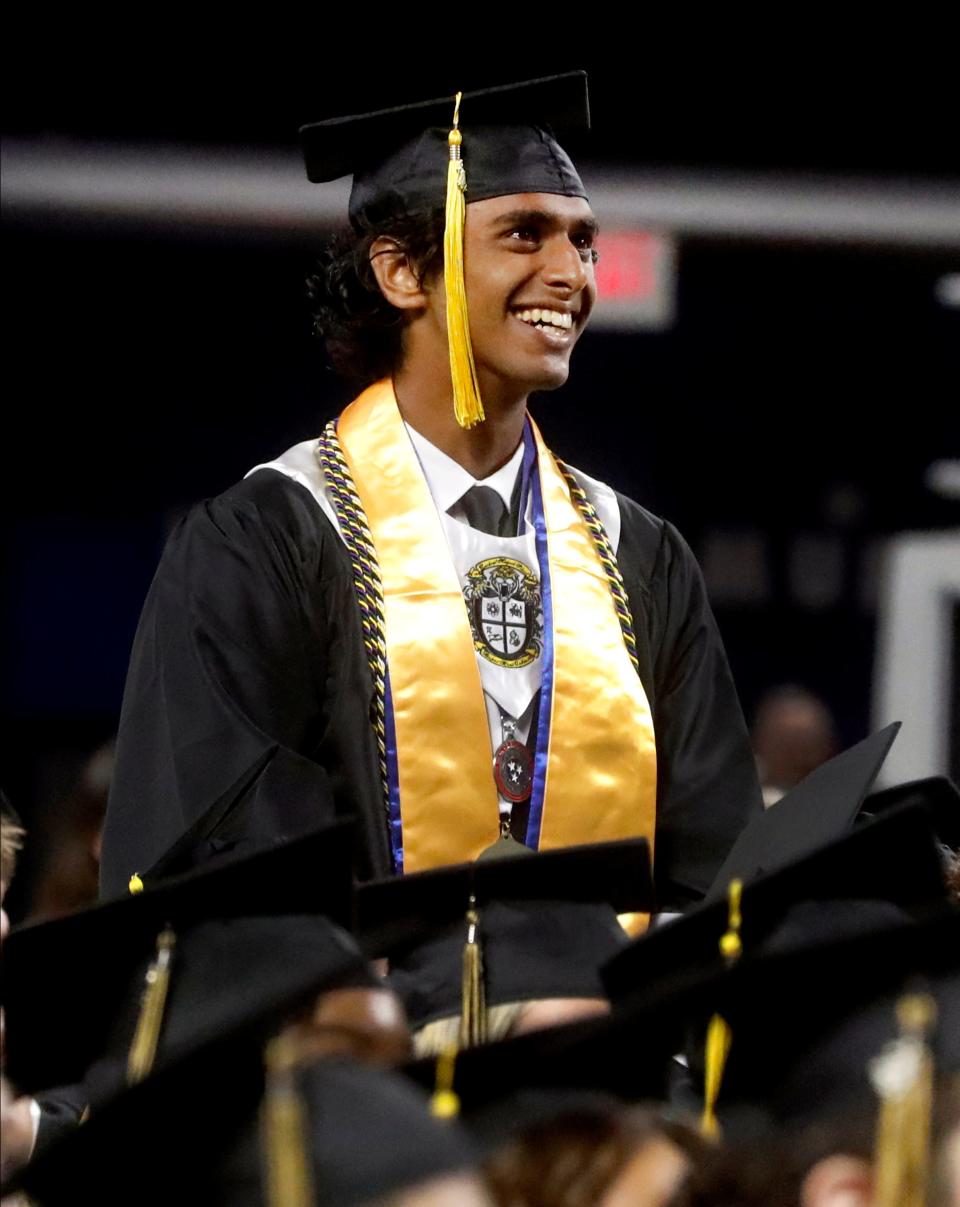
513 771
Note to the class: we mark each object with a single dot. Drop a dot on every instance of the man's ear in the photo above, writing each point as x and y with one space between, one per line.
395 275
838 1181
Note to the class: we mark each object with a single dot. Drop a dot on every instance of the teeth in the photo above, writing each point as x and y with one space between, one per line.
550 318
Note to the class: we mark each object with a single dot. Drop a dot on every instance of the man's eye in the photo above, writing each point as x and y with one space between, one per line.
525 234
584 245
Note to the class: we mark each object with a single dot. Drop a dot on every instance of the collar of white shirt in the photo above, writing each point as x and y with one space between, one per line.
448 481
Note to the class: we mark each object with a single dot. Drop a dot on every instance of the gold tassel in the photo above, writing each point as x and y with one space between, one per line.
143 1050
473 1013
902 1076
283 1130
719 1038
135 884
445 1104
463 372
719 1034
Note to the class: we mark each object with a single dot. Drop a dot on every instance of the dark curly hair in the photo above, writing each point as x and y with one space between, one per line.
362 331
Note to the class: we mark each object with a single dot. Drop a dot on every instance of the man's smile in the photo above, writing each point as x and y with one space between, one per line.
550 328
541 317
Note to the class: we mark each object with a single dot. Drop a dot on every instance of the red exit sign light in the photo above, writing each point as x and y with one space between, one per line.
636 287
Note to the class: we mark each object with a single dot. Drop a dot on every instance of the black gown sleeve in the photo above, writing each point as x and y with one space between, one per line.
61 1110
707 787
233 728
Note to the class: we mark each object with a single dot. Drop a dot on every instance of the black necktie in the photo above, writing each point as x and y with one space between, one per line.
486 511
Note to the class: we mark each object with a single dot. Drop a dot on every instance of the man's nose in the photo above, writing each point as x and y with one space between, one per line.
564 265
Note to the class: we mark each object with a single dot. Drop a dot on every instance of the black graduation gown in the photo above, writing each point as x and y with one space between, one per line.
245 713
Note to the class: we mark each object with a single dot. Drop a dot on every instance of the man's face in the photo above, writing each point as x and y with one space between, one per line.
528 261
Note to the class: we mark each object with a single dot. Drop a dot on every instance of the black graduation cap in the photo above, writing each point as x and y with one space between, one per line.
817 810
814 1003
627 1054
398 156
66 981
195 1132
546 922
937 793
893 858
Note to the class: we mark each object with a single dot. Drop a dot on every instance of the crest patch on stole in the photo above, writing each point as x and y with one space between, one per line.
503 603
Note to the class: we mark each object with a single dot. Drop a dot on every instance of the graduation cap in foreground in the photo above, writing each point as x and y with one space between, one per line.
815 1004
465 938
218 1128
883 877
893 858
443 153
937 793
627 1055
817 810
234 939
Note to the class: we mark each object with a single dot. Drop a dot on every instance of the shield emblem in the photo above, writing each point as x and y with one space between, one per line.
503 623
503 598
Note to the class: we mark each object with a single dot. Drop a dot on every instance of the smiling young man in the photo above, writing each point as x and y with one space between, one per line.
423 617
530 282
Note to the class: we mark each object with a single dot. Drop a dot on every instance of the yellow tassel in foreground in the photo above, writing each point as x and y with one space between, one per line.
473 1015
445 1103
902 1076
283 1134
719 1038
463 372
143 1050
719 1034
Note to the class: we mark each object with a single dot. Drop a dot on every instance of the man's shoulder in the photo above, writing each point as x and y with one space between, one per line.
636 533
640 525
269 504
650 547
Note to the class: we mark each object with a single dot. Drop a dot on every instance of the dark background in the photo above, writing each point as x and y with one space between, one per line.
801 393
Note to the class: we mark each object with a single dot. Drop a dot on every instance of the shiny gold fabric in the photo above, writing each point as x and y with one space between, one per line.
601 771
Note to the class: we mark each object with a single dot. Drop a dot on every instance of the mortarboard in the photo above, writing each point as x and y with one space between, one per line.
818 809
195 1131
442 154
627 1054
815 1002
884 874
544 922
937 793
893 858
66 981
398 156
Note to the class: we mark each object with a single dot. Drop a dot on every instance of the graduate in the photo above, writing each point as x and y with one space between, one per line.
422 616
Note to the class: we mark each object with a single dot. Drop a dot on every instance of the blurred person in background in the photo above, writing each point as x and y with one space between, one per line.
11 841
67 876
19 1116
593 1151
793 734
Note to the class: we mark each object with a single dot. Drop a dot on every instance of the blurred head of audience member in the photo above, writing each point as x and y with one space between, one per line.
11 840
16 1118
831 1163
599 1152
67 878
793 734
